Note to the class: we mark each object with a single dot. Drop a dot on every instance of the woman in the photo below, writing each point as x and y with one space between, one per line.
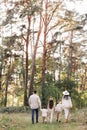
50 109
67 104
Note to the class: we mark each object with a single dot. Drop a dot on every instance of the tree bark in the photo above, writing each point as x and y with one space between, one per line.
34 56
26 70
70 57
44 56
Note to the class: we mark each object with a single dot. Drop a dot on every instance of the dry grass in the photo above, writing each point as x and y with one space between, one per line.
22 121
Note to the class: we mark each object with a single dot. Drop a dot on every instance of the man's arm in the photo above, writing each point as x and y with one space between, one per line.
39 102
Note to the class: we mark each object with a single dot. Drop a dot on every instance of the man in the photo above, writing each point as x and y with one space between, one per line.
35 104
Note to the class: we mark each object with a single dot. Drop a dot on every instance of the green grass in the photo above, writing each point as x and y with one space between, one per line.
22 121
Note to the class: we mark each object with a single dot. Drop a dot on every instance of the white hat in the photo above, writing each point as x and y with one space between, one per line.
65 92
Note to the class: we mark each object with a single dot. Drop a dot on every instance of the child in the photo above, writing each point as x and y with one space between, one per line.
44 114
59 109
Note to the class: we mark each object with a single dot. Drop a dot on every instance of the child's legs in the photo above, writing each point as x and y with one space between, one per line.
44 119
59 116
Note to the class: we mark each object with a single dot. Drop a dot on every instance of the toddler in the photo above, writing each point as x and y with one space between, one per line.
44 111
59 109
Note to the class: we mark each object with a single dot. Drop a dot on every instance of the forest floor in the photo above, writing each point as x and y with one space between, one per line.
22 121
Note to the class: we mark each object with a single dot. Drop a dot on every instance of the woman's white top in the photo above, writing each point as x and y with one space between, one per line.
67 103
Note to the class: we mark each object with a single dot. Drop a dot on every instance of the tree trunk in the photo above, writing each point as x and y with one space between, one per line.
26 70
34 56
44 56
7 80
0 81
6 92
70 57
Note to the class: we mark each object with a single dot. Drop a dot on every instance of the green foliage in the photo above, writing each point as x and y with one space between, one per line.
54 89
82 100
9 17
66 84
79 99
18 91
71 86
9 41
12 109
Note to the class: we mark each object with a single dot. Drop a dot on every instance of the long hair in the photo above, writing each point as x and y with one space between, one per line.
66 97
51 103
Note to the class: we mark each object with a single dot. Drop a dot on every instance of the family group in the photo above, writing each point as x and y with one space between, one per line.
47 112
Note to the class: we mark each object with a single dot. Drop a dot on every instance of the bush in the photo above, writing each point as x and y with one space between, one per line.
21 109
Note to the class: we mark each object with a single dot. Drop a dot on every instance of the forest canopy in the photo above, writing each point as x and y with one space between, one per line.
42 46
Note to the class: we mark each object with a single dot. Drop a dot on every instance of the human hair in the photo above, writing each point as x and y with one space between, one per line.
51 103
66 97
59 100
44 106
35 91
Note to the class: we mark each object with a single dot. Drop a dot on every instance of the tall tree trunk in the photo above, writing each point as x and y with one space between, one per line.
23 74
70 56
84 80
26 70
44 56
0 80
6 92
60 62
34 56
7 82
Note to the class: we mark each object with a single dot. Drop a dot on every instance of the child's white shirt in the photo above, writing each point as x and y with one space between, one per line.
44 112
59 107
